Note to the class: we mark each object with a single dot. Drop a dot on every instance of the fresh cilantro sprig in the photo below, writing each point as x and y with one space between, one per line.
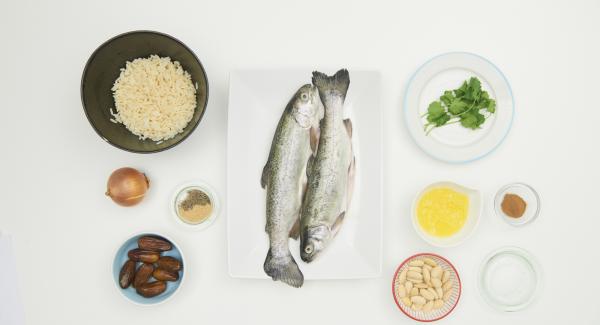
468 105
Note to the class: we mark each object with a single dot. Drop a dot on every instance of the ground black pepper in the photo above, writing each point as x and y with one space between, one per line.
193 198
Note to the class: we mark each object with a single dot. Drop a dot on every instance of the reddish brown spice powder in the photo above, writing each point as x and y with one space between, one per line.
513 205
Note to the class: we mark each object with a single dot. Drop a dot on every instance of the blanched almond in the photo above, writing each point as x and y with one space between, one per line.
426 275
439 303
445 276
414 275
416 262
414 292
415 269
439 292
408 286
446 295
418 300
437 283
426 294
401 290
402 276
429 262
447 286
435 293
436 272
416 307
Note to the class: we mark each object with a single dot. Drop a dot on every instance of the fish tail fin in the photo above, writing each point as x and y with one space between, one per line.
284 269
338 83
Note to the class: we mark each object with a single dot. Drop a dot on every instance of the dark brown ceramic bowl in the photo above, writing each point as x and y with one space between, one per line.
103 68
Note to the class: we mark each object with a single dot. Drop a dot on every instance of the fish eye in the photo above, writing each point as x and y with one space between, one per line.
308 249
304 96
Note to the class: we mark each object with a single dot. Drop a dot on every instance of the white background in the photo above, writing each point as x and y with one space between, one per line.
53 166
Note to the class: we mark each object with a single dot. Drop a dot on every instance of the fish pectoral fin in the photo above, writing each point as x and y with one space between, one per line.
264 179
302 120
338 223
351 180
348 125
315 134
295 231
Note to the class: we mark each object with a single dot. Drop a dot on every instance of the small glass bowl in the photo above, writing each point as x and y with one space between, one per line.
180 195
509 279
528 194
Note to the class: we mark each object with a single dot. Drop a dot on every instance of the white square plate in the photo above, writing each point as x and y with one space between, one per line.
257 99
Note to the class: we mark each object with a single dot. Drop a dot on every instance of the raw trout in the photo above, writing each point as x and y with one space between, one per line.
284 178
330 172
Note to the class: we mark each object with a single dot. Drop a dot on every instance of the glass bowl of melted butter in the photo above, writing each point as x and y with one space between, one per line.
444 214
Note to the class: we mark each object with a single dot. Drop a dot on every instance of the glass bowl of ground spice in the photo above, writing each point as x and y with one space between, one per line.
195 205
517 204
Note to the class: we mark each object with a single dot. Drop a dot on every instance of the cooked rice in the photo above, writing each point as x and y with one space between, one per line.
154 98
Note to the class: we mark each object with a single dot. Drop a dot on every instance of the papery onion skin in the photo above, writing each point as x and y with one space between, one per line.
127 186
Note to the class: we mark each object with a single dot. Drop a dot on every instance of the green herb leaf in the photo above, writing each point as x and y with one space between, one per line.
447 98
457 107
491 107
475 87
472 120
460 92
440 120
437 114
474 83
435 109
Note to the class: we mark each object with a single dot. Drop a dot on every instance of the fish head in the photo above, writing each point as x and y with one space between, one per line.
313 241
306 106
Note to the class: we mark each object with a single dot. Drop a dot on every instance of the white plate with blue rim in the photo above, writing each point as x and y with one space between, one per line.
454 143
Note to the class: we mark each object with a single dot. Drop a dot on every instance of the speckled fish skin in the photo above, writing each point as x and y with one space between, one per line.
284 178
330 173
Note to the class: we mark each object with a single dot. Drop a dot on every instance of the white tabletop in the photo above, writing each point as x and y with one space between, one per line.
53 167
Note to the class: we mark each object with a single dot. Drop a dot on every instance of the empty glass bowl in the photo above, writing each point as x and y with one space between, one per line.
509 279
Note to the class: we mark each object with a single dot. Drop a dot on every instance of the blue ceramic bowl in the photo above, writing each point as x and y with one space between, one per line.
129 293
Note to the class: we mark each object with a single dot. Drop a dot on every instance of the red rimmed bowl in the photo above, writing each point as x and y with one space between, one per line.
419 314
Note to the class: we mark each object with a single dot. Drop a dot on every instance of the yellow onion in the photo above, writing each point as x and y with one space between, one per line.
127 186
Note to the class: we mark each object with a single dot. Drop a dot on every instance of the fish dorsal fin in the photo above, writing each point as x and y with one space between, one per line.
264 179
338 223
348 125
